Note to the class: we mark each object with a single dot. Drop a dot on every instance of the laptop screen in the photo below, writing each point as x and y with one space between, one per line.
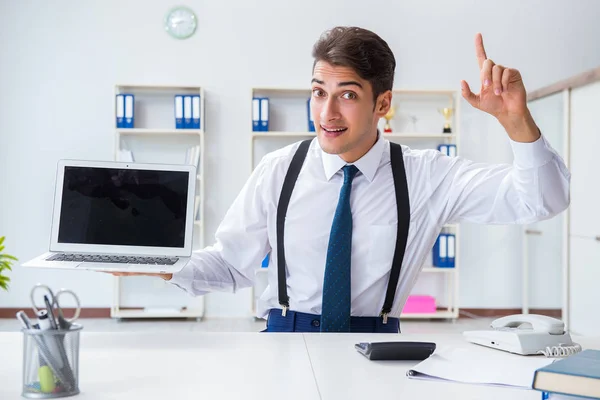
124 207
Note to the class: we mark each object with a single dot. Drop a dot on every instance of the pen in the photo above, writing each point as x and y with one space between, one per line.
53 324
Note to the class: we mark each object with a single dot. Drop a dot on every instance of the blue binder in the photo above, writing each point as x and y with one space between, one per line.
178 111
120 110
311 120
129 111
196 112
256 114
264 114
440 251
187 112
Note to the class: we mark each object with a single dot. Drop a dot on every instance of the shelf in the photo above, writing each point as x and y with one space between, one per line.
289 91
157 313
409 135
166 131
283 134
430 92
169 88
439 270
440 314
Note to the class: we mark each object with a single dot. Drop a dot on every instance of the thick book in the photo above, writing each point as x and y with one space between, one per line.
577 375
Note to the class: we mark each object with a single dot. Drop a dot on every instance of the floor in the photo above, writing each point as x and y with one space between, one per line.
245 325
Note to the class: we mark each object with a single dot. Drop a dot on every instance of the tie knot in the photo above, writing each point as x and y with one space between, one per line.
349 172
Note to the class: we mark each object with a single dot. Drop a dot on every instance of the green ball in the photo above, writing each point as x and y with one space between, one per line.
46 379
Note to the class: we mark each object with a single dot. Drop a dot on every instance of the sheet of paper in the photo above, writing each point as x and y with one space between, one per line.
479 365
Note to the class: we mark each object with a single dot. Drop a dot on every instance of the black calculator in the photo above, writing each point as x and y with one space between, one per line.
408 351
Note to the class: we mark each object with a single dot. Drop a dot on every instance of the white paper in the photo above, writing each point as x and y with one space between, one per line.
479 365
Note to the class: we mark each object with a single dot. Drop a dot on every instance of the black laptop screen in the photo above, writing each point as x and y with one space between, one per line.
124 207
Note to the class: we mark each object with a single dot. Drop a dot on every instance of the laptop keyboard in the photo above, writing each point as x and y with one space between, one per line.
97 258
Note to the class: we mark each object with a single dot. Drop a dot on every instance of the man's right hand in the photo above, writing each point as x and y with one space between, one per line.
166 277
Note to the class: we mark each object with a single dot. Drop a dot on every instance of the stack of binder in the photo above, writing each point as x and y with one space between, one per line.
125 106
447 149
260 114
187 111
444 251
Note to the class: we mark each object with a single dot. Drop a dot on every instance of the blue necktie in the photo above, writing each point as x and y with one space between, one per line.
335 316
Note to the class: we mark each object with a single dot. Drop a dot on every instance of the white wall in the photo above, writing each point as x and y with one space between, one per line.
60 60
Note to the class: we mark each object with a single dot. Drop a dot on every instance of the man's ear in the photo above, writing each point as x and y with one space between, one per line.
383 104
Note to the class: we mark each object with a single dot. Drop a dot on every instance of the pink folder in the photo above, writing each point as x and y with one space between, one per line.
416 304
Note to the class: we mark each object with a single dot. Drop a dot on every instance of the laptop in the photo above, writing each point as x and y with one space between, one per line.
121 217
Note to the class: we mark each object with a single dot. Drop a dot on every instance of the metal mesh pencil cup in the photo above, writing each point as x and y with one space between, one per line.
51 362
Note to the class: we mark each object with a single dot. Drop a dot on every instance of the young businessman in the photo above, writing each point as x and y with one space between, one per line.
350 229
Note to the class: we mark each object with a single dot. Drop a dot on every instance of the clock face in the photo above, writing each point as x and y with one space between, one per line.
181 22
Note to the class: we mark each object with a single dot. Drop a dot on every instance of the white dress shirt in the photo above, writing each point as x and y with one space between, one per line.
442 190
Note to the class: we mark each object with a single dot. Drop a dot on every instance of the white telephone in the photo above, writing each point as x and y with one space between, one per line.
526 334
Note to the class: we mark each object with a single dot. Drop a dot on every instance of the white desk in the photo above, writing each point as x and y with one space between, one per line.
188 365
182 365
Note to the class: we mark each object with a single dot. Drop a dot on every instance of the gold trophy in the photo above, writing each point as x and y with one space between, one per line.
390 114
447 113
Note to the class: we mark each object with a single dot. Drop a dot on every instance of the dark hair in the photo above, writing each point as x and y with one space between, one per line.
360 49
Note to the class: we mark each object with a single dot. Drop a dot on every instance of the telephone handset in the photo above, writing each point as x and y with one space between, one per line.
540 323
526 334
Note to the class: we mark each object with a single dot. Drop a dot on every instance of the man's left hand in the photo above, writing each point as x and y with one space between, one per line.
502 95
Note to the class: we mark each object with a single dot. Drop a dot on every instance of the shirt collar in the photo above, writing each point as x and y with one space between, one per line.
367 164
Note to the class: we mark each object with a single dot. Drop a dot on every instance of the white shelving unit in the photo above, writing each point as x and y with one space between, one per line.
288 124
418 124
154 139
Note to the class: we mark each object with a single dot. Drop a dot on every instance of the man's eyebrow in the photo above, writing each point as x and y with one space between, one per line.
350 83
345 83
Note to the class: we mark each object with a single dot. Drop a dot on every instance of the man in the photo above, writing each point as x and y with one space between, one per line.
354 222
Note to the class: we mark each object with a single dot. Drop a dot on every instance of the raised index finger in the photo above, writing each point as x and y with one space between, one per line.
479 50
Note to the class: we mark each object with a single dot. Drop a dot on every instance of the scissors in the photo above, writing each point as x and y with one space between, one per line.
51 301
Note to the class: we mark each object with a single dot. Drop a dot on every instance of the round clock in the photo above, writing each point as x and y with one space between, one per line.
181 22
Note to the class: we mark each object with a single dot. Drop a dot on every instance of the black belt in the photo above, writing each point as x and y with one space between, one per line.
402 204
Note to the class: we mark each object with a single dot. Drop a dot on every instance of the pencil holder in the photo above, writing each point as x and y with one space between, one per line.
51 362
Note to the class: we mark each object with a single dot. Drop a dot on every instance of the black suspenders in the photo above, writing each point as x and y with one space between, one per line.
402 204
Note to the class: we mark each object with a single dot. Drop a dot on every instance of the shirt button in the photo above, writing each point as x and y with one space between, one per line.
316 322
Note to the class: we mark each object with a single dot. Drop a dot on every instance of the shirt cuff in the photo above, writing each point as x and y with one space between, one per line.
531 155
184 278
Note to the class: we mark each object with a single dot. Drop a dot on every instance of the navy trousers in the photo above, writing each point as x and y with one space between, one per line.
302 322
